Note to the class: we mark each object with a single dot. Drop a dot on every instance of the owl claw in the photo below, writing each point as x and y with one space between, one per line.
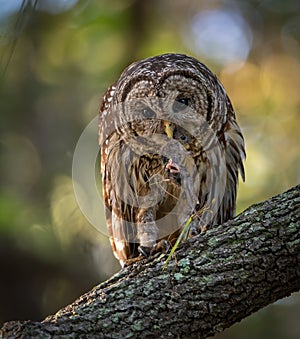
172 167
145 251
161 246
131 261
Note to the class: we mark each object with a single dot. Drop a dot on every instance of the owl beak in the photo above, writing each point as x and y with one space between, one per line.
169 129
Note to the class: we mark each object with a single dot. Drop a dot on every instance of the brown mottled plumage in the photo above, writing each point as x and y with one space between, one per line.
170 147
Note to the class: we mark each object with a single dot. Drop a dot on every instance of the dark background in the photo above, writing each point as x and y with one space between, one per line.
56 60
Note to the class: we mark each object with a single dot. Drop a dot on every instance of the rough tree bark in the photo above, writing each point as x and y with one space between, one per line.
216 279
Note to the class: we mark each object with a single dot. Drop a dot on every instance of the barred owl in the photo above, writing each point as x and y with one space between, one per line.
170 148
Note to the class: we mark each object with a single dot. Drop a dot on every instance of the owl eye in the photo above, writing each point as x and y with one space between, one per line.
180 104
147 112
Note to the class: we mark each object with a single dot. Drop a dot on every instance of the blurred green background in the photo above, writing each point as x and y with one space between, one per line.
57 57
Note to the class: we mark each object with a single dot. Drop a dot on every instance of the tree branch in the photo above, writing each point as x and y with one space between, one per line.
216 279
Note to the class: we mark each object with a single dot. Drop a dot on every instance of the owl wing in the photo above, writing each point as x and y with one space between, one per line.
234 156
217 194
119 229
119 198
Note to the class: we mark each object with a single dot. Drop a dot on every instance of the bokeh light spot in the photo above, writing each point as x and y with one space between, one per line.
221 35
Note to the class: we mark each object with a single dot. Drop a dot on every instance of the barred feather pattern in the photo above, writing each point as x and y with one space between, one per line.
170 147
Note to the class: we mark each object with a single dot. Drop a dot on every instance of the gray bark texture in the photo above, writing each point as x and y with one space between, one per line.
214 280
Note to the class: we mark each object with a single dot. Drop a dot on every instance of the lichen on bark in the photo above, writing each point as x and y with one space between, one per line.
214 280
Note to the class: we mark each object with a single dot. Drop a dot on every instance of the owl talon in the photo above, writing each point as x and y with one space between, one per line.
131 261
162 246
172 167
144 251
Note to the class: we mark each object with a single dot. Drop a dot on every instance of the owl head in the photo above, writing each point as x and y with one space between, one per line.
173 95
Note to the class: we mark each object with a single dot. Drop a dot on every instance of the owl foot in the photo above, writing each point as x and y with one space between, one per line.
161 246
196 229
172 167
131 261
173 170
